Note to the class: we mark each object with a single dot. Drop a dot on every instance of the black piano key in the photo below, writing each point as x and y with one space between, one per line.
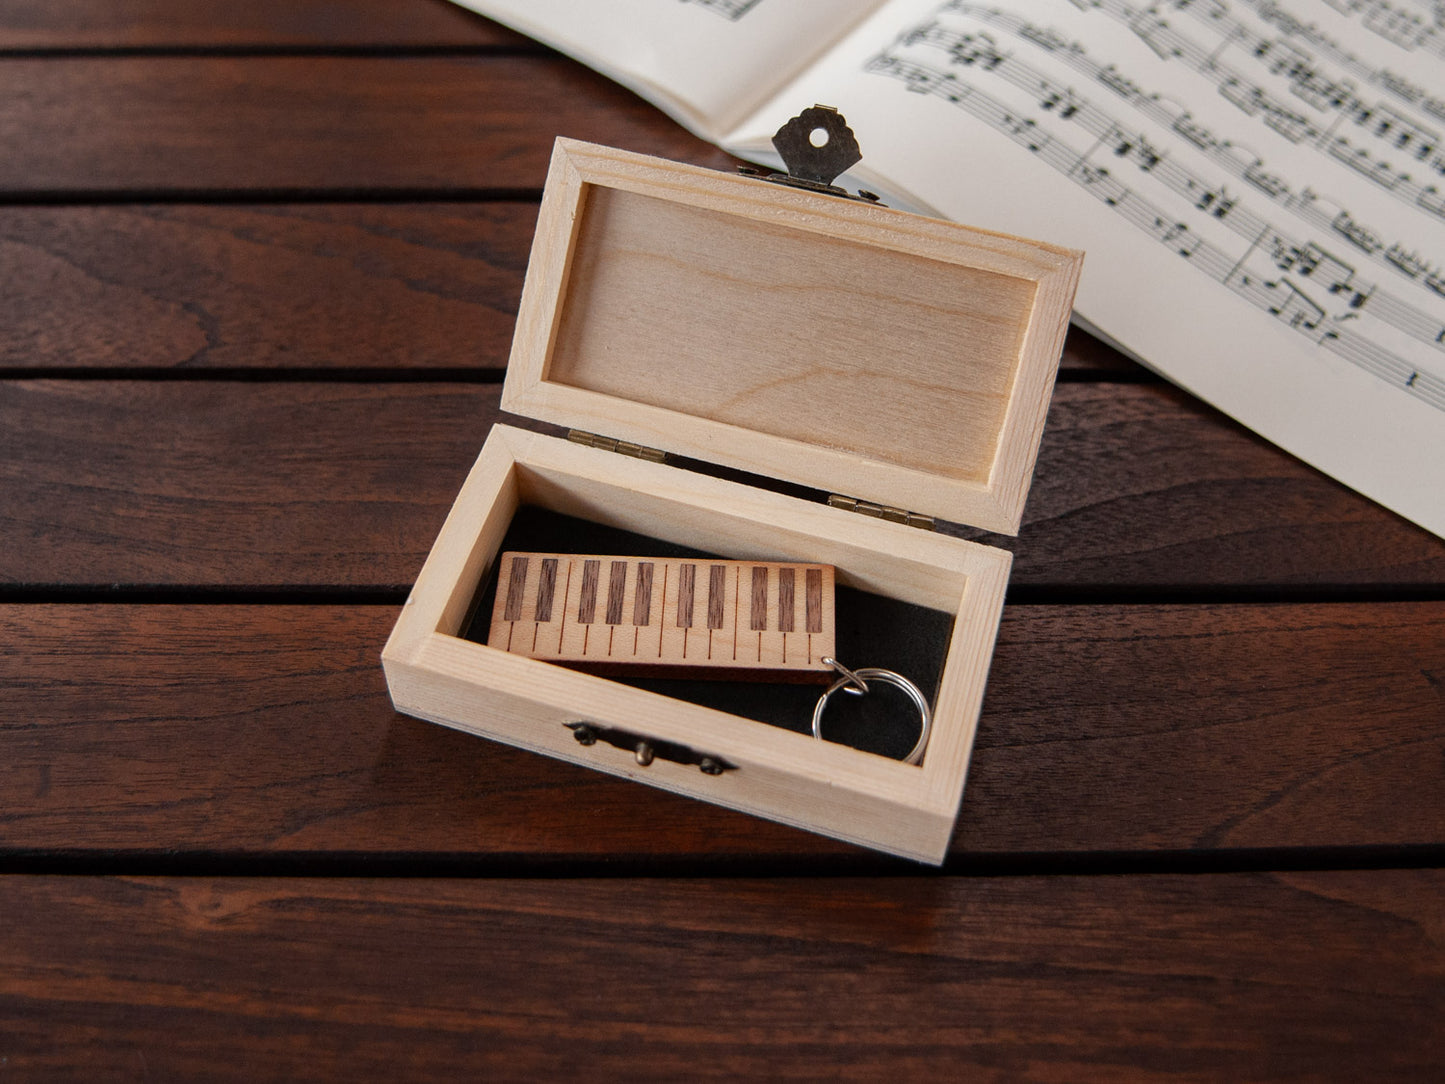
716 591
587 604
616 588
546 588
515 589
642 597
686 587
760 598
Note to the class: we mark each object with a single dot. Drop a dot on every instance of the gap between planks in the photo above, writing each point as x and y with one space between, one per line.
803 866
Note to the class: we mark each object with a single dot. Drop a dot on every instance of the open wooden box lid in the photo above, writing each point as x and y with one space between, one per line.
897 359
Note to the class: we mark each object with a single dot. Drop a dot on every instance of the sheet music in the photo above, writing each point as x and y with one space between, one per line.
708 63
1261 204
1259 186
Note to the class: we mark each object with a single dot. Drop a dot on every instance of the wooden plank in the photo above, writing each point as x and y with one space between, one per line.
348 286
267 730
310 122
1201 727
180 24
163 483
320 484
345 286
1310 976
1140 484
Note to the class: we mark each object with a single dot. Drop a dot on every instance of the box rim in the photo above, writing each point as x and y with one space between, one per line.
932 790
996 504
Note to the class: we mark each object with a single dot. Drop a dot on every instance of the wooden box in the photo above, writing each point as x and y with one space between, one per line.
896 361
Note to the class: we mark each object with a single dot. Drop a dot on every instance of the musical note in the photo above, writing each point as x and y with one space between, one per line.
1281 58
1063 100
1404 28
977 49
1296 310
1409 263
1392 126
1007 72
1243 96
1431 200
1119 83
1357 234
1295 127
1045 38
1139 150
1361 161
1268 183
1162 39
1323 93
1099 183
732 10
1197 134
1310 259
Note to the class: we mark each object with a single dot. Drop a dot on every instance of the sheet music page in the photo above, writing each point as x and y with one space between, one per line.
1259 186
707 63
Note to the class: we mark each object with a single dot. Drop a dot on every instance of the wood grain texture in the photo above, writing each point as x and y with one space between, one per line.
270 287
929 396
232 737
1140 484
178 24
746 636
1308 976
310 122
903 808
316 484
267 730
258 486
348 286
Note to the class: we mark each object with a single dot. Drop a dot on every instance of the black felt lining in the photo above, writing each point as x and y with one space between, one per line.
872 630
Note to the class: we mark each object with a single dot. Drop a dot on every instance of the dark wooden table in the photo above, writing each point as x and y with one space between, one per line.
258 270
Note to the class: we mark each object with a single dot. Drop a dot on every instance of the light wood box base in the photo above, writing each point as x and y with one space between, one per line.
903 809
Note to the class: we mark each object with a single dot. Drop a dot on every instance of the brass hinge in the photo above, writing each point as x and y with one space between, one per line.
612 444
882 511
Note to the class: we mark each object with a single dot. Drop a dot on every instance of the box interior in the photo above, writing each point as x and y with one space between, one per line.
873 629
884 354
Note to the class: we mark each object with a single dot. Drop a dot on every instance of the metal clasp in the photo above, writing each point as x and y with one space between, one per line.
646 749
816 146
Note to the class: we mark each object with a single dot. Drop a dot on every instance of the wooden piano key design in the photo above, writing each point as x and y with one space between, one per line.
750 620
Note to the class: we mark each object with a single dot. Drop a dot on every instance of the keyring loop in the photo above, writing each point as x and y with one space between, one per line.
854 685
888 677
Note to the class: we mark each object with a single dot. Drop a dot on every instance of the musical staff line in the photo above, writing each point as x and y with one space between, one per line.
1380 124
1216 200
1326 299
1405 30
731 10
1244 165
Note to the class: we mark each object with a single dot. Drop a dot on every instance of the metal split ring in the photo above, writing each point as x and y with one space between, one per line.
852 683
856 683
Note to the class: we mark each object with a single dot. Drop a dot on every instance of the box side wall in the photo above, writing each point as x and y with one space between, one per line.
823 787
752 787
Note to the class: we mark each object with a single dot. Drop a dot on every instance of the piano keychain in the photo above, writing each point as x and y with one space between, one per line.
691 618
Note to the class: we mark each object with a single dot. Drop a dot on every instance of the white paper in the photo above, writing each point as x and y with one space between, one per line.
707 63
1259 188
